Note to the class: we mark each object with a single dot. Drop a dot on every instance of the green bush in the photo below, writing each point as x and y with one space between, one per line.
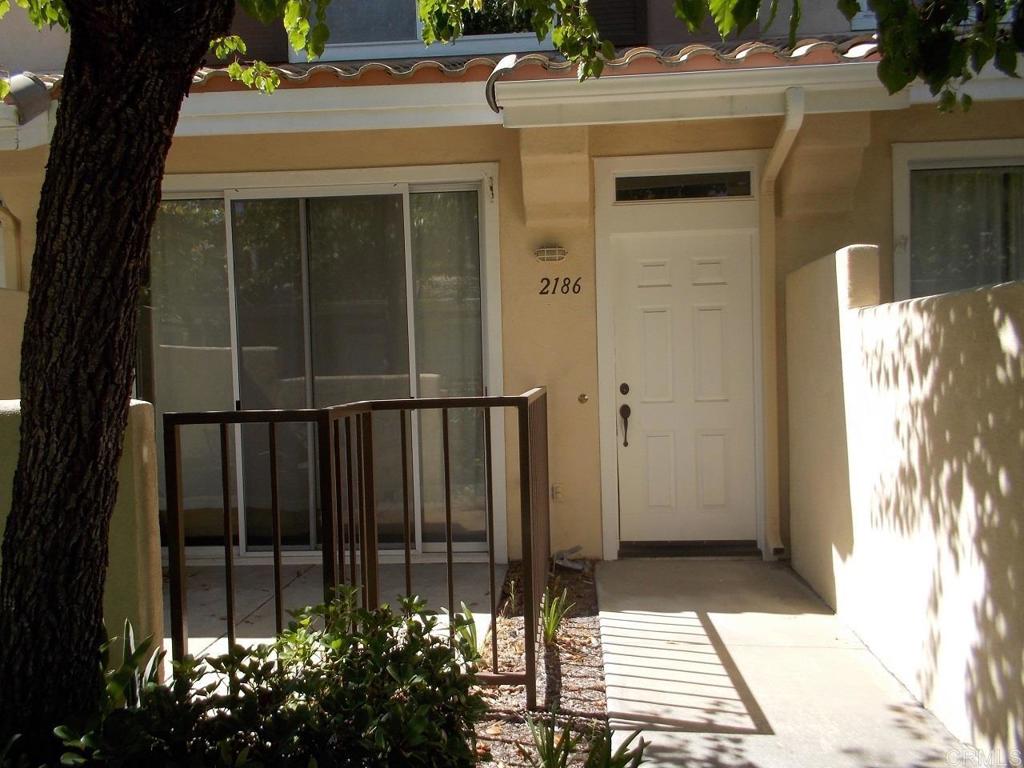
341 687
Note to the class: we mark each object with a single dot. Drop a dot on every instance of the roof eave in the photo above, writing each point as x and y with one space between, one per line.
718 93
695 95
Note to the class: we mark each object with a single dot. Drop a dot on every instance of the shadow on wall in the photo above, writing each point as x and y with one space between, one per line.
948 373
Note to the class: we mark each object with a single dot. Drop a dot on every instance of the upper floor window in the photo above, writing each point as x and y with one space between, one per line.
864 20
959 216
390 29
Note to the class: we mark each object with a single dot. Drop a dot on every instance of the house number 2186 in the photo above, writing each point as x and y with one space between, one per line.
552 286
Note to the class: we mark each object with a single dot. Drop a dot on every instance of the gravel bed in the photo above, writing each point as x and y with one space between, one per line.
576 689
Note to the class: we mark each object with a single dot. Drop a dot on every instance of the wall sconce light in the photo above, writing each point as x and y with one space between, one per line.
551 253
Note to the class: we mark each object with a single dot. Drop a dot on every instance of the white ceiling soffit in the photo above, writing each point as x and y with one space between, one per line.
753 92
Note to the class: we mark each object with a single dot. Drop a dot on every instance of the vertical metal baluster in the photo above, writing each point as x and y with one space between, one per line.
448 523
405 505
327 511
176 542
369 549
490 539
275 522
339 531
351 499
229 554
530 589
361 519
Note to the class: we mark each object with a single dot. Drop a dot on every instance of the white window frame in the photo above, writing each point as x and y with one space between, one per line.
306 184
500 44
936 155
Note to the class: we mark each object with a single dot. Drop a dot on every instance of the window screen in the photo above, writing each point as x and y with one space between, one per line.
689 186
966 228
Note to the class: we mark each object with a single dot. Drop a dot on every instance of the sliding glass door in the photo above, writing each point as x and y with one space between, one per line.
313 300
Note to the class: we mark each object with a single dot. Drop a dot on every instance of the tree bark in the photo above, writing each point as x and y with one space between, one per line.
130 65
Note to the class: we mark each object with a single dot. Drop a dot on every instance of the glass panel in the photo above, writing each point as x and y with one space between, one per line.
967 228
688 186
184 350
446 279
267 244
360 326
357 21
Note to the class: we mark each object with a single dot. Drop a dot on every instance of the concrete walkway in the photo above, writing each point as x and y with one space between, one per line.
737 664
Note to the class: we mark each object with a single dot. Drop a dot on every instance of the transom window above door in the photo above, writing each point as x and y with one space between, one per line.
306 298
959 218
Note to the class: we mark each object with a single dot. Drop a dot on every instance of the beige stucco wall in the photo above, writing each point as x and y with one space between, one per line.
835 189
12 321
907 482
134 586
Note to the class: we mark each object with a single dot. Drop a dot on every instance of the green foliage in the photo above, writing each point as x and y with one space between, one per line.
946 44
553 609
601 755
554 748
569 23
465 628
342 686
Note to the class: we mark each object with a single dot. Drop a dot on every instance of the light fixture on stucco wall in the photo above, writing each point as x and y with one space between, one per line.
550 253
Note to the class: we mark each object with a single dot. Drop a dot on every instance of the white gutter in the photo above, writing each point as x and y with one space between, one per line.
735 92
342 108
796 108
297 110
35 133
751 92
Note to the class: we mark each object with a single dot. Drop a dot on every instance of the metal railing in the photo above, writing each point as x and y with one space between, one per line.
348 512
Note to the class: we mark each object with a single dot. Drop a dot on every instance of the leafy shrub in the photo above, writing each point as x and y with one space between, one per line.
341 687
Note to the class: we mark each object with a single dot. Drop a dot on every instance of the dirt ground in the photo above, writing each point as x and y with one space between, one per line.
570 674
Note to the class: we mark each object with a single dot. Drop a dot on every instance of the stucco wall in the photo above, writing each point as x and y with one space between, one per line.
835 189
907 482
12 321
134 586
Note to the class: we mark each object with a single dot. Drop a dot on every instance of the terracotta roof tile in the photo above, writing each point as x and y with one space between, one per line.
644 60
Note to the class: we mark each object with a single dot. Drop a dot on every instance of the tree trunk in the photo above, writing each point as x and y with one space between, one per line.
129 67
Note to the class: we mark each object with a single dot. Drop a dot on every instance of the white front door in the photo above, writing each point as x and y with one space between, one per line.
684 365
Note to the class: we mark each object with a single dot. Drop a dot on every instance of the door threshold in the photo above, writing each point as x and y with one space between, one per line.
695 548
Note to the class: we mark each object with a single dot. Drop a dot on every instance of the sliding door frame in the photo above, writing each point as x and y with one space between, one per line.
302 185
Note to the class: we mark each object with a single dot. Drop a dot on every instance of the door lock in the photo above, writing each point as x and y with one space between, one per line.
624 412
624 388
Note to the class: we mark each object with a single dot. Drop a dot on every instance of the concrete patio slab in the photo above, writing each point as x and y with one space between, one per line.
737 664
302 585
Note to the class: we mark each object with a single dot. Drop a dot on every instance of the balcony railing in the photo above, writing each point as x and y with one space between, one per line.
347 510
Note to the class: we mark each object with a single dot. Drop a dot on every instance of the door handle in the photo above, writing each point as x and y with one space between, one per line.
624 412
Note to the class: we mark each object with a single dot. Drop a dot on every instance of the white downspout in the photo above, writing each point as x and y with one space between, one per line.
771 536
